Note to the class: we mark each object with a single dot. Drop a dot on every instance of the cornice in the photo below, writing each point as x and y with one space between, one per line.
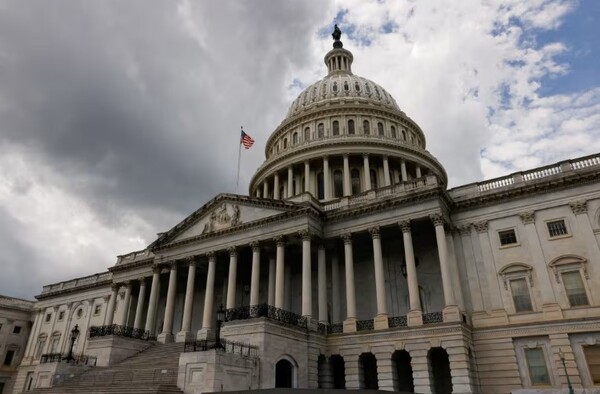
132 265
73 289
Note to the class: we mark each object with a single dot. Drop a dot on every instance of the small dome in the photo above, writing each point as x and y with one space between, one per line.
341 85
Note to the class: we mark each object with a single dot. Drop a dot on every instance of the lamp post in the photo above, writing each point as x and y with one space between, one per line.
74 335
220 320
562 359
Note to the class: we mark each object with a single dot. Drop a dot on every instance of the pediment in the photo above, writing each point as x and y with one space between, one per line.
223 213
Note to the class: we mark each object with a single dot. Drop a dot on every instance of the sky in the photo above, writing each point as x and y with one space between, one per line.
120 118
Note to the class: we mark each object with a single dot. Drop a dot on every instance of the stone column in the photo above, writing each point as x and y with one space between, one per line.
335 288
451 312
265 189
167 333
49 339
386 172
280 272
207 316
307 177
418 171
126 302
586 232
276 186
153 302
367 171
64 337
271 298
110 311
306 274
33 336
139 310
350 322
322 275
403 170
415 315
255 276
186 323
492 285
347 185
232 280
326 179
290 182
381 320
550 307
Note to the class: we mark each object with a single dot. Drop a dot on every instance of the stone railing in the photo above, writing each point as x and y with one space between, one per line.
397 321
399 189
64 358
134 256
120 331
267 311
75 283
335 328
526 177
433 317
167 376
225 345
364 325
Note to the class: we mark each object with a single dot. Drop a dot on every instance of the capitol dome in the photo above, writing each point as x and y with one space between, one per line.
343 135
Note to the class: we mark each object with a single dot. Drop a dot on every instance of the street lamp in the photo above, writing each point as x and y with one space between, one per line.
220 320
74 335
562 358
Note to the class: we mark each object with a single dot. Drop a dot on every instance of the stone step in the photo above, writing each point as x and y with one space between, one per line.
137 389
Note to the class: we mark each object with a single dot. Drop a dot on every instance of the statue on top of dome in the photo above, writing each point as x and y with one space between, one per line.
337 34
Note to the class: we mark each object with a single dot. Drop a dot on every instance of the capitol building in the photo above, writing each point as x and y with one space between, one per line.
350 265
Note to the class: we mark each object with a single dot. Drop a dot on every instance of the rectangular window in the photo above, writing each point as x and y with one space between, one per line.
507 237
592 356
9 357
557 228
536 363
521 296
574 288
48 317
61 315
17 330
97 309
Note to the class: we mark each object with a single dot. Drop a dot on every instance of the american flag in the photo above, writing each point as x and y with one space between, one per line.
246 140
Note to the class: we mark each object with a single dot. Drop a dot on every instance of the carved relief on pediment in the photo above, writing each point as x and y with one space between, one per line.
226 216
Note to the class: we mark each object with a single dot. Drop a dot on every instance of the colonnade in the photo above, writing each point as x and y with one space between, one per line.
281 184
277 284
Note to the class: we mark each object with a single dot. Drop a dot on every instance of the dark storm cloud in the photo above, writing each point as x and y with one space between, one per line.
136 106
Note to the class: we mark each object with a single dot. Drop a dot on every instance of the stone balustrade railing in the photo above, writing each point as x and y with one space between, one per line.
523 178
79 282
134 256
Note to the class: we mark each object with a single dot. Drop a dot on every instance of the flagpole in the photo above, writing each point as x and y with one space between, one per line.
237 178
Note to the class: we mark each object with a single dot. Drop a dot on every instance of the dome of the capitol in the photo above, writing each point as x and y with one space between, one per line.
342 136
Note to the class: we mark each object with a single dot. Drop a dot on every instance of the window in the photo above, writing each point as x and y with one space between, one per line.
536 364
48 317
366 127
336 127
574 287
404 135
592 357
295 138
357 86
321 130
320 186
97 309
338 184
521 296
79 313
285 143
350 126
9 357
355 181
61 315
306 134
335 87
17 330
346 86
380 129
40 345
507 237
556 228
394 135
373 175
54 343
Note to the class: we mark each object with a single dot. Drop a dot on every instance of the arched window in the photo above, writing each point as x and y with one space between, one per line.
285 143
373 175
380 129
355 180
320 186
41 343
404 135
54 341
357 86
321 130
335 87
366 127
394 135
346 87
338 184
295 138
336 127
350 126
307 134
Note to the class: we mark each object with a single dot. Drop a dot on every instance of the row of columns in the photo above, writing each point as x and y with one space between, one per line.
277 284
347 185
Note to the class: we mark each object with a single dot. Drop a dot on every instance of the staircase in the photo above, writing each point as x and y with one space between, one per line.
152 371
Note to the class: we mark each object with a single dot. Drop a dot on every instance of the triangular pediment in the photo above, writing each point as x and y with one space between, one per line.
224 212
